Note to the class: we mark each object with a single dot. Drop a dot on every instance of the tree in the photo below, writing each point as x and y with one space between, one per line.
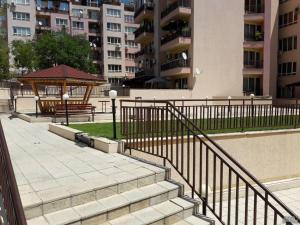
24 55
4 60
57 48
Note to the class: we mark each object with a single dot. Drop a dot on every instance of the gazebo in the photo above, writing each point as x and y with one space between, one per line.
62 76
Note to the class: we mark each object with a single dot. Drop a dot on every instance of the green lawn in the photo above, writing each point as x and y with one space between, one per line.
105 129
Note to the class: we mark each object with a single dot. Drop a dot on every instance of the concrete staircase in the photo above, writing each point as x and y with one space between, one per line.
148 198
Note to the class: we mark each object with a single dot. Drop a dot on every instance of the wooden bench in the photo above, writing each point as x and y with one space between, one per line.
74 109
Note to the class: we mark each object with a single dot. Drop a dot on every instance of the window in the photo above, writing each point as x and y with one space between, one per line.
21 16
112 68
77 12
287 69
94 15
78 25
130 29
21 31
288 44
130 56
64 6
288 18
181 83
61 22
286 92
113 40
114 55
131 69
115 27
129 19
22 2
131 44
113 12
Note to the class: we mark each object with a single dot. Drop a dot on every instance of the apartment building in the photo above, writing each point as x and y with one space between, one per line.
288 50
223 47
187 45
108 25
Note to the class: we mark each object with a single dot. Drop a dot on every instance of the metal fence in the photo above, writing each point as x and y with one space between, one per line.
223 185
239 114
11 210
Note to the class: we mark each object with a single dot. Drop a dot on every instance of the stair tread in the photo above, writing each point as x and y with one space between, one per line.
193 220
153 214
100 206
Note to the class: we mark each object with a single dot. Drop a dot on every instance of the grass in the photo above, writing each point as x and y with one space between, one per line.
105 129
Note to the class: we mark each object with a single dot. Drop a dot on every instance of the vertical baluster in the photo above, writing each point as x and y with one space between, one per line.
214 181
237 190
246 204
221 189
229 197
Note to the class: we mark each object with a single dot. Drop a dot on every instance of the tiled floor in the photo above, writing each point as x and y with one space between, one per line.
48 166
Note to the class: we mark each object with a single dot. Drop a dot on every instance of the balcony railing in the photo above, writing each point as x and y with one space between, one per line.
173 36
177 63
254 8
147 6
259 64
175 5
144 29
254 36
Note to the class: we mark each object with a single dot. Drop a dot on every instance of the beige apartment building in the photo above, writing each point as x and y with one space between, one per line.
107 24
213 48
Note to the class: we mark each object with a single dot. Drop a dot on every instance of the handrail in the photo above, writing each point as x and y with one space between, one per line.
13 209
156 118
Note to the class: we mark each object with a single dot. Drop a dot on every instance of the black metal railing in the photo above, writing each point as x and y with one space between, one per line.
254 8
254 36
173 36
176 63
175 5
11 209
144 29
259 64
147 6
222 184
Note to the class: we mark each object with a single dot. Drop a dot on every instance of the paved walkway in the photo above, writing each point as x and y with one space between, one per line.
48 166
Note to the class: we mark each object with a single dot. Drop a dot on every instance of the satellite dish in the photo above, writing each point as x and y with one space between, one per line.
91 44
38 8
184 56
94 45
40 23
81 12
198 71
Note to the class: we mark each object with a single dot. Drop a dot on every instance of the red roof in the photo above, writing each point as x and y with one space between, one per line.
61 72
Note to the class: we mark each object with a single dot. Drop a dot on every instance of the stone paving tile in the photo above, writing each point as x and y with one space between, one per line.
48 166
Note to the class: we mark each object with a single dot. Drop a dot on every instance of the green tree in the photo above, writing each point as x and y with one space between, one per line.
62 48
24 54
4 60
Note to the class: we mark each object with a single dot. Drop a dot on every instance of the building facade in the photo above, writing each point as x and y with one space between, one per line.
288 51
222 47
108 25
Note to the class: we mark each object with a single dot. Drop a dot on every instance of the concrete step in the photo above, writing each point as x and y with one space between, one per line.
193 220
166 213
96 188
96 212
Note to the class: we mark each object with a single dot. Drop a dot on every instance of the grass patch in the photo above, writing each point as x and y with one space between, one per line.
105 130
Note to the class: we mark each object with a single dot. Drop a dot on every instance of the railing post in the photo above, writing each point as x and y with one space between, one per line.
204 206
243 116
295 116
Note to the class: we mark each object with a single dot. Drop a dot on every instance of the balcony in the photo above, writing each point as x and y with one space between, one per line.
254 40
253 67
176 67
180 9
144 72
144 34
178 40
146 11
254 12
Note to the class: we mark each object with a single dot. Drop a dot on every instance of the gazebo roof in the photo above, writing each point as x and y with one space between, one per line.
61 73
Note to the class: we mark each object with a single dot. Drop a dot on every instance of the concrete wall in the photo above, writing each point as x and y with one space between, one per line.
271 48
218 34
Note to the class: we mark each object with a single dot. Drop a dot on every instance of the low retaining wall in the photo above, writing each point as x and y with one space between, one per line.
102 144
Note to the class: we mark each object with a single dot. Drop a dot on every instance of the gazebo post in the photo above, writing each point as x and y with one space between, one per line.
89 94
